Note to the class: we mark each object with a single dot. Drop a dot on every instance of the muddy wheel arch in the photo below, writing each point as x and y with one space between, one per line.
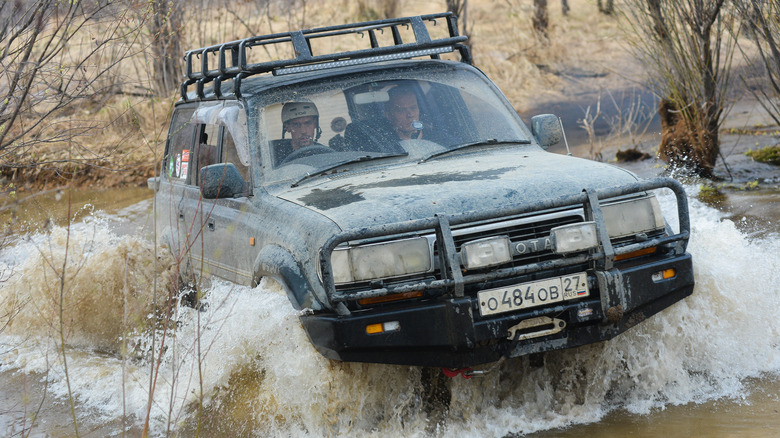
276 262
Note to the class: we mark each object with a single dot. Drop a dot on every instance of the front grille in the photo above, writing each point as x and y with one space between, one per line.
516 232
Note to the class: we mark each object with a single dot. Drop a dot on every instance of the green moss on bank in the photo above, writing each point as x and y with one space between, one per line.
769 155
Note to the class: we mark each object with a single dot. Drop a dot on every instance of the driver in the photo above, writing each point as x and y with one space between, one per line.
403 113
302 121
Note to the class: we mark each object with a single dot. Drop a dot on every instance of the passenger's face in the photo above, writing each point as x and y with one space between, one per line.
302 130
402 110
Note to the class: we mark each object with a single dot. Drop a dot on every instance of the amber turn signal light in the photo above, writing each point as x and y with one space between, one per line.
639 253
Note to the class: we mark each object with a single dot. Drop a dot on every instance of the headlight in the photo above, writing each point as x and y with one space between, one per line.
485 252
381 260
574 238
631 217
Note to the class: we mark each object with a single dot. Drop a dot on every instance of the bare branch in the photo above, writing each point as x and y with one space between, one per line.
54 55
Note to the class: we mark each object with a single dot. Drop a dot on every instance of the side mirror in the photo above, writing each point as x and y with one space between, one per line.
221 181
547 129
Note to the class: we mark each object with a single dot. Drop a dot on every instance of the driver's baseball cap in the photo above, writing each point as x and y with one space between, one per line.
293 110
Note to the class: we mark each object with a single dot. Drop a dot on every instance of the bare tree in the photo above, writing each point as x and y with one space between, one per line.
53 55
165 29
764 30
687 54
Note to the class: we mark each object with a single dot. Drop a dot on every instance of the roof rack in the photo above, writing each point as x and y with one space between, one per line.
232 62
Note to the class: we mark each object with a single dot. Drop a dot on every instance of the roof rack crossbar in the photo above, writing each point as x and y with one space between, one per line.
397 40
301 46
420 31
237 66
372 39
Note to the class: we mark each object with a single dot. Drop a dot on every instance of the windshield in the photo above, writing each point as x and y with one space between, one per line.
358 122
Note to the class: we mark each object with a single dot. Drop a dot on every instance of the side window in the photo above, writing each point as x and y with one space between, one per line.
178 156
208 148
230 155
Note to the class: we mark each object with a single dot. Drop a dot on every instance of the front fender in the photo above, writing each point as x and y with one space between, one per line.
276 262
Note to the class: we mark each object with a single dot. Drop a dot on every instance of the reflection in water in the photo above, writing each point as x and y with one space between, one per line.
243 365
756 212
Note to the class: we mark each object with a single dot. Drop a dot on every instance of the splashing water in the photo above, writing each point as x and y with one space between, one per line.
243 364
106 288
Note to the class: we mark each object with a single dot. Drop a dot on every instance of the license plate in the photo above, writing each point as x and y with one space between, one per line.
533 294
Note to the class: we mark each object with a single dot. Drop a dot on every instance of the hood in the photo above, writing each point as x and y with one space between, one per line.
467 182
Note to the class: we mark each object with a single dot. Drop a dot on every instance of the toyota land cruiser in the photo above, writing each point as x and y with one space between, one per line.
408 212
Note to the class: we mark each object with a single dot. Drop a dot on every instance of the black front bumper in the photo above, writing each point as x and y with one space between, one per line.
449 332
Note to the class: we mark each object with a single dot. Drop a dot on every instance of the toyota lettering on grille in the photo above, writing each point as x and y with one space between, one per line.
531 246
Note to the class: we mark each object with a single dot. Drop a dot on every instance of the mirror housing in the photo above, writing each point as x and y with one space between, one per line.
546 129
221 181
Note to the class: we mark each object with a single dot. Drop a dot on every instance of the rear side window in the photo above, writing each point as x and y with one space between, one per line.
208 148
178 156
216 145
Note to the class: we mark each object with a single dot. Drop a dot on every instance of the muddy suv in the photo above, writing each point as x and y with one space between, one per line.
406 209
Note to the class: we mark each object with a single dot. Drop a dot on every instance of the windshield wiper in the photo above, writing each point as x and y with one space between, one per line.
488 142
342 163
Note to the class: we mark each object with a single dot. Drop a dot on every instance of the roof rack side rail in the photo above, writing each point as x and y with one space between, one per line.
465 53
232 61
452 25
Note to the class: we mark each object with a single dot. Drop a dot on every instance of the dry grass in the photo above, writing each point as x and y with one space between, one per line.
584 43
127 132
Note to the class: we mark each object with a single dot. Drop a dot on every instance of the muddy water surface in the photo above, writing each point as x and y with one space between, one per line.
708 366
57 207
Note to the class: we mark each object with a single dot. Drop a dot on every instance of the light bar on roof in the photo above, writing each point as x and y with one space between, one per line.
359 61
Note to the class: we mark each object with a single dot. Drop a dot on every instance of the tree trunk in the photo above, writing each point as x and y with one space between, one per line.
460 9
541 19
607 8
686 146
165 29
659 23
703 110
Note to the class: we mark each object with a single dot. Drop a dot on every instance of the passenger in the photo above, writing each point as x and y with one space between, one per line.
302 121
404 113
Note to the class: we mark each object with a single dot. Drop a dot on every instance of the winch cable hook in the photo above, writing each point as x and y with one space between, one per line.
453 372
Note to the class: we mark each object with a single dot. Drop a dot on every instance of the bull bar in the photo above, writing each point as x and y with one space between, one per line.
453 279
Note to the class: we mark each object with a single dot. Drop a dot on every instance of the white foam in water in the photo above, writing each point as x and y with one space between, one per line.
260 374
